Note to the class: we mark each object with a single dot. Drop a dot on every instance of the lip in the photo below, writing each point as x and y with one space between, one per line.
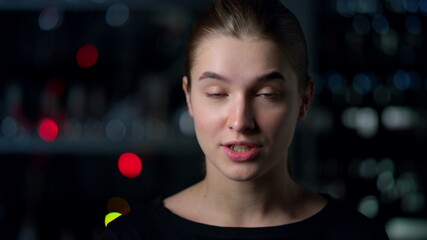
241 156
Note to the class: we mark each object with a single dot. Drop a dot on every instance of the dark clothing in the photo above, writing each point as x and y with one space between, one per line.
154 221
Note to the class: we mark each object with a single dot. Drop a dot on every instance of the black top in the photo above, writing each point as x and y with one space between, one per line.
154 221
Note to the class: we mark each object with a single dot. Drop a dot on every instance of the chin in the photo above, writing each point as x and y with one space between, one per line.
242 174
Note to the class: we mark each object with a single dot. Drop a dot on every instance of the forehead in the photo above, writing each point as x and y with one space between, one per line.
239 57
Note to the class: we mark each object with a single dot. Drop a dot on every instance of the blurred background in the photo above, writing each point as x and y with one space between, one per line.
93 121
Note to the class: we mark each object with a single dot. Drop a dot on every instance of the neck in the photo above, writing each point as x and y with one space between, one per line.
251 200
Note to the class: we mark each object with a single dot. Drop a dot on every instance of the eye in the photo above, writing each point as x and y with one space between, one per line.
270 95
216 95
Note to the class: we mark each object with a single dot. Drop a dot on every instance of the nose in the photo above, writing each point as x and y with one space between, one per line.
241 117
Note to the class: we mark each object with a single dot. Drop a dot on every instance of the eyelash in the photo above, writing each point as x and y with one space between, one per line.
270 95
265 95
216 95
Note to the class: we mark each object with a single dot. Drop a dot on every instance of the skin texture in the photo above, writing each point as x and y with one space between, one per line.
244 90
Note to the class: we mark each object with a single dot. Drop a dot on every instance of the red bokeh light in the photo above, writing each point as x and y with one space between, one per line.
130 165
87 56
48 130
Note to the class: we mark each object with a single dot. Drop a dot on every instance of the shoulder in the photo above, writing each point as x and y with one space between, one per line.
134 225
343 222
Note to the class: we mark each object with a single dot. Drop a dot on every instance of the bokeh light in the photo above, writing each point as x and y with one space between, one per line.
337 83
9 127
345 8
73 128
398 118
117 15
368 168
364 120
130 165
411 5
110 217
423 6
87 56
369 206
388 42
415 80
407 228
118 204
116 130
386 164
48 130
49 19
186 124
401 80
385 181
362 83
380 24
395 6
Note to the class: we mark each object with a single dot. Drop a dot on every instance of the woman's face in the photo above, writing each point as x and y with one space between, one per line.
245 103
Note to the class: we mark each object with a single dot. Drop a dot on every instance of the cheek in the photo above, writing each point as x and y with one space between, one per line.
205 120
280 124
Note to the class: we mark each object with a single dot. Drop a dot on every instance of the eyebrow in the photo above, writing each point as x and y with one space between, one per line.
263 78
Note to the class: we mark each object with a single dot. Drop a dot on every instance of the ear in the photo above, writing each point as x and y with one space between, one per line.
187 94
307 98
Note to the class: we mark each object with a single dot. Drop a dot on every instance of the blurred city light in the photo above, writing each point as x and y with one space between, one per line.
186 124
118 204
364 120
368 168
369 206
117 15
337 83
100 78
110 217
411 5
363 83
423 6
9 127
385 181
380 24
389 43
49 19
73 129
87 56
116 130
415 84
401 80
48 130
395 6
130 165
398 118
407 228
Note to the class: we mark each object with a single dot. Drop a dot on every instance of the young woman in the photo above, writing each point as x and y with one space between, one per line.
246 87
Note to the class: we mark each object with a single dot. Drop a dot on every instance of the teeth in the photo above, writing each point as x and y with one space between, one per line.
240 148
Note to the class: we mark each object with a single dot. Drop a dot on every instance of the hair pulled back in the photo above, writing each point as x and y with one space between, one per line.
266 19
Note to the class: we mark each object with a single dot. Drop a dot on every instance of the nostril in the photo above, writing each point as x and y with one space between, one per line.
243 125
